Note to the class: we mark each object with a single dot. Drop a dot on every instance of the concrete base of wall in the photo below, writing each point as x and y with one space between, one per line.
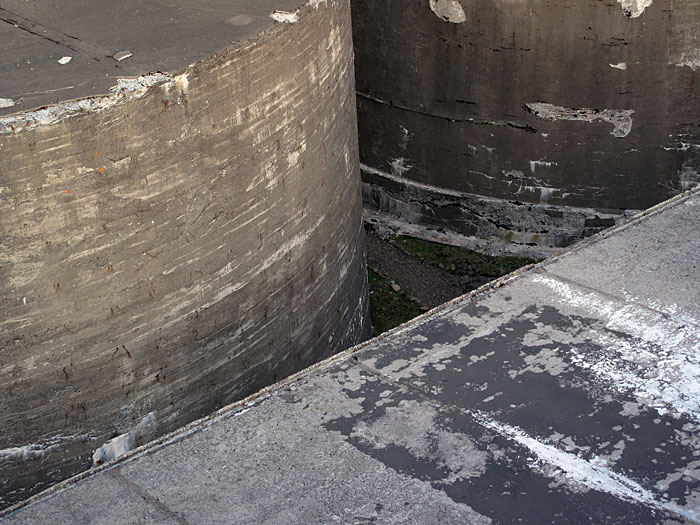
483 223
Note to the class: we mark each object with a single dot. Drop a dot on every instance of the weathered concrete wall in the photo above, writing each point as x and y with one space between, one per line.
563 114
187 245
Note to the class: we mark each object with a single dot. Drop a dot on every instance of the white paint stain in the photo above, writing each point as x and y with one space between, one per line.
593 473
688 178
182 83
621 119
534 164
38 450
120 445
546 193
291 17
448 10
399 167
293 158
634 8
684 146
405 137
689 58
659 364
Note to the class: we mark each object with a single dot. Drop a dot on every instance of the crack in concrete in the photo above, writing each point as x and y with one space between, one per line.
133 487
71 42
469 120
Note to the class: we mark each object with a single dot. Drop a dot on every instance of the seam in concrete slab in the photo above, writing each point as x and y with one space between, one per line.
614 297
253 400
133 487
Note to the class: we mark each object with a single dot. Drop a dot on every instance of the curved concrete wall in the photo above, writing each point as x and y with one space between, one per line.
194 240
526 121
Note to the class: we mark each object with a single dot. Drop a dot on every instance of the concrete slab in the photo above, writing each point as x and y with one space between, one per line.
101 500
162 36
652 263
537 399
289 464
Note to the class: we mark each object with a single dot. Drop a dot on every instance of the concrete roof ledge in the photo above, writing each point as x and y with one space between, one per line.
63 58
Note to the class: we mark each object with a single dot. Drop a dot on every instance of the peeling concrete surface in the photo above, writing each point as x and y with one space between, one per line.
448 10
494 225
621 119
634 8
587 94
126 89
180 242
491 409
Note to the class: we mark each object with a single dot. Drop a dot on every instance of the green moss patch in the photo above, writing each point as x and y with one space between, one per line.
388 308
461 261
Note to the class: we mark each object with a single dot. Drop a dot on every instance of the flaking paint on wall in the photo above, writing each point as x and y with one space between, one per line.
448 10
621 119
634 8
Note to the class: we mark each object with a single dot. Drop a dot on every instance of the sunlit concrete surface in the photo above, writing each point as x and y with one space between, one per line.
180 217
566 393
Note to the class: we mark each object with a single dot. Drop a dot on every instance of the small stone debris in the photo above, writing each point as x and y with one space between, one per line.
395 287
122 55
6 103
64 60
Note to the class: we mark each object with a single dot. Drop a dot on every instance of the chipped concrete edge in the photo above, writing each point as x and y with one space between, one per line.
292 17
242 406
126 89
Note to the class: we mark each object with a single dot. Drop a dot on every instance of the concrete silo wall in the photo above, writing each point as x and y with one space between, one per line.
532 122
176 245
